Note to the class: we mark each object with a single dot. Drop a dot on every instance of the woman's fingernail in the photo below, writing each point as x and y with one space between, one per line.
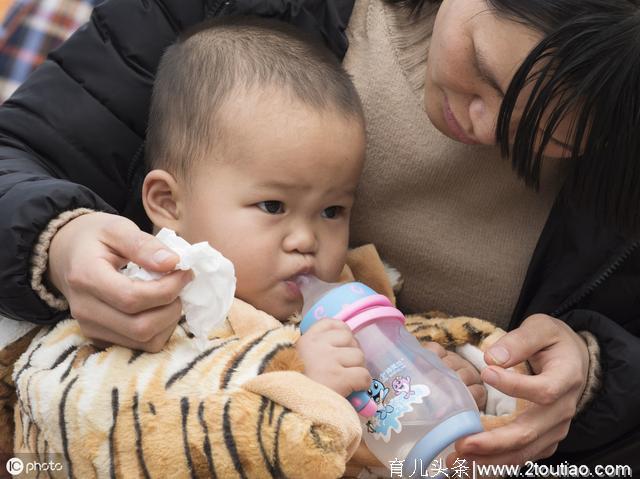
161 256
499 354
490 376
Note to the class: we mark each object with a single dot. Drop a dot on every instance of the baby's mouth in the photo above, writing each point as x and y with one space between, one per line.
293 290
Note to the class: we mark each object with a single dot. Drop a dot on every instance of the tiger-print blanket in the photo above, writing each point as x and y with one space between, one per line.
240 408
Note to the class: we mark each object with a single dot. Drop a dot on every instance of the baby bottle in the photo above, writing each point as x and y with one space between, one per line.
416 406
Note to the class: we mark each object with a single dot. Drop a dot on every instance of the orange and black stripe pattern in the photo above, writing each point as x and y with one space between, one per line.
449 332
82 402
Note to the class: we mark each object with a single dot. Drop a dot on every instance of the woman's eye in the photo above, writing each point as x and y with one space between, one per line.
332 212
272 207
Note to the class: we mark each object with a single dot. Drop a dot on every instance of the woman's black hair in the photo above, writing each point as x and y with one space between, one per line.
588 63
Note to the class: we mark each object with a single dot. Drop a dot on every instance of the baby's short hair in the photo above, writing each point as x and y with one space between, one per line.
200 72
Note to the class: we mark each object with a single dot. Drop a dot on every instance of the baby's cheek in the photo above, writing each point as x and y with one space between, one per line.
250 292
329 275
330 269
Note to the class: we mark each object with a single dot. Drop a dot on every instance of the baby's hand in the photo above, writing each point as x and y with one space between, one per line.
332 356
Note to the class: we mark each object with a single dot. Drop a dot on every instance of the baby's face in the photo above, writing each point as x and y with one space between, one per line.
278 204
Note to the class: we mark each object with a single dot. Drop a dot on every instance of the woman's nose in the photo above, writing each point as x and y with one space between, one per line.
301 239
483 121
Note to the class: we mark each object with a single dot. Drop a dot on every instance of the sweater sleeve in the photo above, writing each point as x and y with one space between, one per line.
594 372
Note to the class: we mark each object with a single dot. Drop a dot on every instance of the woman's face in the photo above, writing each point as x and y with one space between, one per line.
473 56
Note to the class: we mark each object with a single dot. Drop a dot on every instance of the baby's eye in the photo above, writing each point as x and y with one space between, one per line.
332 212
272 207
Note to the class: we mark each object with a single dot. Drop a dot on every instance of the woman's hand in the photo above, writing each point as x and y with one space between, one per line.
560 362
85 257
332 356
467 372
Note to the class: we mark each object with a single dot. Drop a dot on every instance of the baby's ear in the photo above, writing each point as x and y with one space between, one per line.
160 197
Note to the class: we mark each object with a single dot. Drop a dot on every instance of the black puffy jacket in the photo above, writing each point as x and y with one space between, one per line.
72 136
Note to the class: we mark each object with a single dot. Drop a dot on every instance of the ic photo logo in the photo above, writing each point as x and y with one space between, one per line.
15 466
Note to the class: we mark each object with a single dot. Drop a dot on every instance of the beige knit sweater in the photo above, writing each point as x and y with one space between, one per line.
455 219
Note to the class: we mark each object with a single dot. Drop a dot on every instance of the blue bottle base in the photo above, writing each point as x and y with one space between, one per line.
456 427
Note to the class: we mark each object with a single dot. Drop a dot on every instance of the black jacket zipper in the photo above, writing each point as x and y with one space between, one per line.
216 8
590 287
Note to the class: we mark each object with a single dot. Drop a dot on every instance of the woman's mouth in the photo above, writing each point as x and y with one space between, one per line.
454 127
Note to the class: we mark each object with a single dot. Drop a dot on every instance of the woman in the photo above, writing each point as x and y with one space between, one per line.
544 79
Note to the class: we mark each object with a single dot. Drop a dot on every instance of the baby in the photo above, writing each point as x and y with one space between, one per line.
255 144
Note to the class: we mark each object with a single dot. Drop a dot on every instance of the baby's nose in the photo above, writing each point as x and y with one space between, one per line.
302 240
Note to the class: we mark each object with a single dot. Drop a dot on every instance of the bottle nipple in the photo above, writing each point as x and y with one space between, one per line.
312 289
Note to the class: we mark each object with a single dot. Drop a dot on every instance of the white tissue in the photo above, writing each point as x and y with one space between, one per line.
206 300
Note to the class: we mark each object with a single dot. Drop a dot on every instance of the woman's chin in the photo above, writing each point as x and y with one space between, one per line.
433 109
437 120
